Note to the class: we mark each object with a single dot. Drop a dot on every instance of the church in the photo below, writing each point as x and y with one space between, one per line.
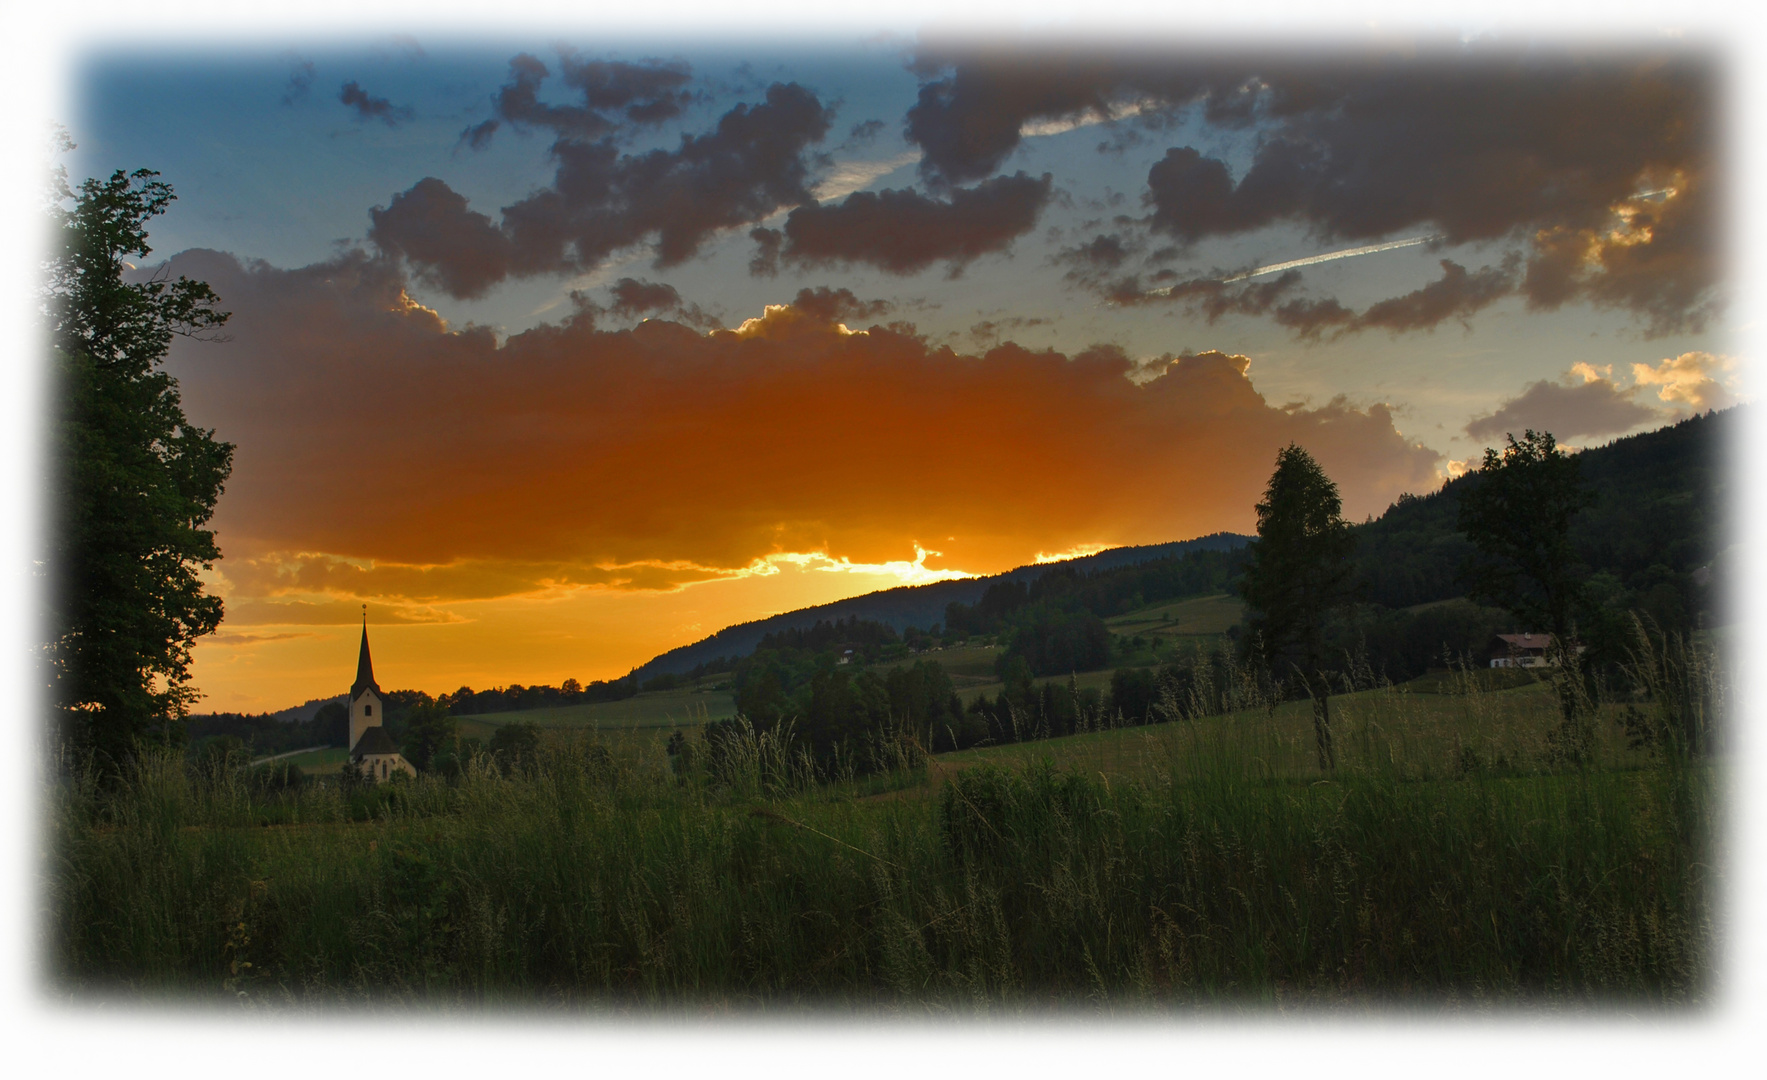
372 752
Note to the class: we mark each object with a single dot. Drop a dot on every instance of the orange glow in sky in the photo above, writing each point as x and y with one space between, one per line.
558 359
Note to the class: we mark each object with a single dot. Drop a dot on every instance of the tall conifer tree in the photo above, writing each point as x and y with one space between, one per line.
1299 571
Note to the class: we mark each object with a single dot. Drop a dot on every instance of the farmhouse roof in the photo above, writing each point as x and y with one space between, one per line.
1526 642
375 740
364 669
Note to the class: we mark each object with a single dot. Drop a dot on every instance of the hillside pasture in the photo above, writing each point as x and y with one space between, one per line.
326 762
1386 731
639 743
968 665
1086 680
658 708
1205 615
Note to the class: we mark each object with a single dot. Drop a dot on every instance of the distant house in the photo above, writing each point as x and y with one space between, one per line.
1522 650
372 752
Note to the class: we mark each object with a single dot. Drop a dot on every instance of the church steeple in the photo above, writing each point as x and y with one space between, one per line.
364 667
372 753
365 695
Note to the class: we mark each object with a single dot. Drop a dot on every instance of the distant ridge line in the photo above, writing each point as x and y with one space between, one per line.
911 605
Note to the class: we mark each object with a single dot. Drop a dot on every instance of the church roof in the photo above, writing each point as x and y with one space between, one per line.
374 740
364 670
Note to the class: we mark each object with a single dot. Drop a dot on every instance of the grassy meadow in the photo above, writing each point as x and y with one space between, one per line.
1202 616
326 762
1456 858
635 721
633 729
657 708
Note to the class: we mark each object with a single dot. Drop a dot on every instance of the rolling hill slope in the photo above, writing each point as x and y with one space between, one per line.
911 605
1657 520
1661 500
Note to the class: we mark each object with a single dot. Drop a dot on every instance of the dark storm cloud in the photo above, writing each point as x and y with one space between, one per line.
1594 407
1457 294
1554 155
635 297
1209 297
973 103
369 107
647 93
612 92
1194 196
740 172
835 305
1600 164
765 262
478 136
451 247
602 200
1244 298
903 231
1311 318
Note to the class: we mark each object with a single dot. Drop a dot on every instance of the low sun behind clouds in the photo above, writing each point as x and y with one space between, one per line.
395 459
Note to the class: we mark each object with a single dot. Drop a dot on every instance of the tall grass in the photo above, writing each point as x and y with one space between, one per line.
1448 860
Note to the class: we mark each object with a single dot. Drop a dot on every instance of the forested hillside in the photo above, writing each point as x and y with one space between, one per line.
913 605
1653 541
1656 520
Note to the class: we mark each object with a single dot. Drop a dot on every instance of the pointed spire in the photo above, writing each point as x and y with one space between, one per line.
364 665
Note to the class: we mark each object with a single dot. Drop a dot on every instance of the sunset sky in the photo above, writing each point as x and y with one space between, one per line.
560 351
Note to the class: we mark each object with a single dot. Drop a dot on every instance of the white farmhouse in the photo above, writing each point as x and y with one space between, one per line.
1524 651
371 749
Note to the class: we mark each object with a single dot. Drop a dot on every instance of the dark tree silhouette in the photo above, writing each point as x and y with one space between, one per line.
134 480
428 728
1299 570
1518 515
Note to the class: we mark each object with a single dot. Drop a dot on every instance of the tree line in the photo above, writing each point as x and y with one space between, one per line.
1653 524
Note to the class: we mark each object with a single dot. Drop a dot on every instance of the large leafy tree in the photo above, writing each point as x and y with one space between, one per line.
1298 571
134 480
428 728
1518 515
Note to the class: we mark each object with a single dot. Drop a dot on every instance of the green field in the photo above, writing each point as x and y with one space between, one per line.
662 708
1210 615
320 762
1450 862
968 665
637 721
1085 680
634 728
1390 729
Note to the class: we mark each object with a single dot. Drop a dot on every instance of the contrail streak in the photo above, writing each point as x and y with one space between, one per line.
1276 268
